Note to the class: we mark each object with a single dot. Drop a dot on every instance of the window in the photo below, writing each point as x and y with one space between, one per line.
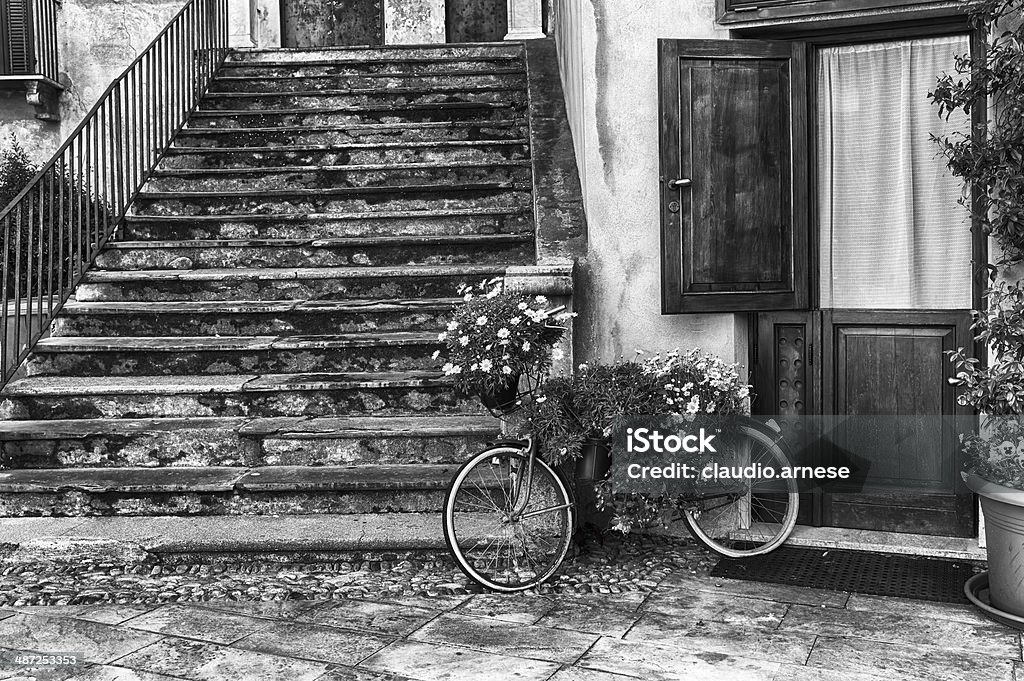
774 150
736 11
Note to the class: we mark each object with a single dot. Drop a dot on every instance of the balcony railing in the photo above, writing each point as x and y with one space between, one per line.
55 227
28 39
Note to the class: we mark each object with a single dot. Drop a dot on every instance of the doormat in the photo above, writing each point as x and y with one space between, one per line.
877 574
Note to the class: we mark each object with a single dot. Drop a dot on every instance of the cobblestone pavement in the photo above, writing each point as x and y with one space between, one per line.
635 608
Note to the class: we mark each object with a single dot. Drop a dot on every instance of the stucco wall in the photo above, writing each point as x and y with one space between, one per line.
608 52
97 40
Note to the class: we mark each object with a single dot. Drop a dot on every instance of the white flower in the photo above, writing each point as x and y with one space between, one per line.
474 366
503 332
515 320
447 368
452 325
457 369
542 399
486 365
542 300
442 336
493 293
481 320
526 346
468 297
437 353
464 341
582 367
557 353
523 306
506 370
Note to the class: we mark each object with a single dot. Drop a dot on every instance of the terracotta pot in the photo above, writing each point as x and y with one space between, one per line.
1004 534
503 398
595 460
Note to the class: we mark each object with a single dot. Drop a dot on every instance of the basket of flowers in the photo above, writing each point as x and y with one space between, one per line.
498 343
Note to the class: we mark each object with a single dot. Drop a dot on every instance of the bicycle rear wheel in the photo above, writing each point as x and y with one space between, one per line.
748 516
493 547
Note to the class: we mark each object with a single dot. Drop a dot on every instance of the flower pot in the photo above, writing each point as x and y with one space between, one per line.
1004 534
594 461
503 398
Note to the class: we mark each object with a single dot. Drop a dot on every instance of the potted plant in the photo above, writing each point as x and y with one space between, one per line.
990 161
494 337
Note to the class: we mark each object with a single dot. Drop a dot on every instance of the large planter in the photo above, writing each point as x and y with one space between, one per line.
1004 535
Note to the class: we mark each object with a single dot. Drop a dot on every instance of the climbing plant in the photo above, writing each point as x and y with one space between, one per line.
990 161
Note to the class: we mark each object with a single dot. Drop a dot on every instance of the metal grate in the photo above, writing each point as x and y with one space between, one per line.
927 579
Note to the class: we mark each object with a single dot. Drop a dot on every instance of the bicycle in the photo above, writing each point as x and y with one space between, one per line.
509 516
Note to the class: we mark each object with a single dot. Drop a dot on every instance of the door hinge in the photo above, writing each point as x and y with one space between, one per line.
810 354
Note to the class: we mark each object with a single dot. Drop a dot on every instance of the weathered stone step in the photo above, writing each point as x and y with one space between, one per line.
391 351
414 66
304 283
233 136
365 536
244 441
387 54
441 79
475 249
76 397
513 94
355 153
449 221
334 199
251 318
212 491
273 178
342 116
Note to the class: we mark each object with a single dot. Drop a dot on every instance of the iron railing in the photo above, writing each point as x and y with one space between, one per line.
28 39
53 230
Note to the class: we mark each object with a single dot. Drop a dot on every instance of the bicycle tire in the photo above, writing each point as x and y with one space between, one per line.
475 513
767 528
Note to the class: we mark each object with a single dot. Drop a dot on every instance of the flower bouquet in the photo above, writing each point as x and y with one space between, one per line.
496 336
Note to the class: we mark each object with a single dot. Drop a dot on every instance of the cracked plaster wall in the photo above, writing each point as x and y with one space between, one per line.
97 40
608 55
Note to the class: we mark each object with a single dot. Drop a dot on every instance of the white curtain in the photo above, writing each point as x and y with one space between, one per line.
893 235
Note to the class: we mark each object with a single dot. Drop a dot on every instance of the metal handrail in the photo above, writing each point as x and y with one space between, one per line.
54 229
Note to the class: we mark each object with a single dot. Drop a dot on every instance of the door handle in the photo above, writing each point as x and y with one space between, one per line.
680 183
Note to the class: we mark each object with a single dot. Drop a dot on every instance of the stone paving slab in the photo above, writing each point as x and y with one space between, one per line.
718 637
696 606
516 608
97 642
314 642
381 618
591 616
495 636
783 593
904 661
214 626
657 663
957 612
986 638
430 662
210 662
103 614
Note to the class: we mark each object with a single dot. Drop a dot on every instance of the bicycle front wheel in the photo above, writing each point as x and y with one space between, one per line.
495 544
747 515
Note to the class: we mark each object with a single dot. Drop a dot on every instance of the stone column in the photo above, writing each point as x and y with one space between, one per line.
525 20
268 23
242 23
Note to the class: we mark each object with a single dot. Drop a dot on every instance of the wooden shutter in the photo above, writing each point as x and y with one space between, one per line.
733 175
17 37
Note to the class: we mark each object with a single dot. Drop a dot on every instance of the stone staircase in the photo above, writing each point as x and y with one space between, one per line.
257 340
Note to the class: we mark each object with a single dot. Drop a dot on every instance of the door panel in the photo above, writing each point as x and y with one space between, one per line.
890 372
475 21
330 23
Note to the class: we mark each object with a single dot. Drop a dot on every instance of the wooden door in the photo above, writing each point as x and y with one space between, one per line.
475 21
330 23
881 380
